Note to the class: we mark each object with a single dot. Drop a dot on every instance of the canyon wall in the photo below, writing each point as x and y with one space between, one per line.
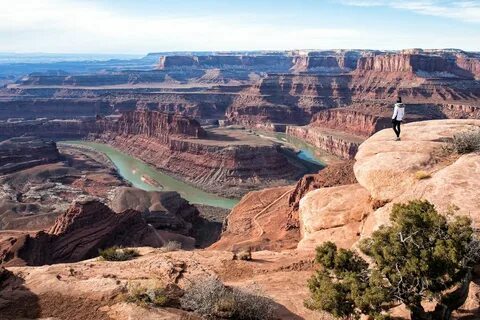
26 152
266 90
53 108
50 129
326 62
421 64
470 64
351 121
215 161
256 62
334 142
78 234
229 170
152 124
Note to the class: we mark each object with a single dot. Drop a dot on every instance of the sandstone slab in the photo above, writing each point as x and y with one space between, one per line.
333 214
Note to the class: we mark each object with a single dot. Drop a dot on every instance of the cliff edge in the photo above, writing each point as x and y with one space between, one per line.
422 165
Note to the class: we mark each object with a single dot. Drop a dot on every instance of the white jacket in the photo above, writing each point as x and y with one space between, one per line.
398 111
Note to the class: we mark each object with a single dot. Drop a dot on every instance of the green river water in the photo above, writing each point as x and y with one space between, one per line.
133 169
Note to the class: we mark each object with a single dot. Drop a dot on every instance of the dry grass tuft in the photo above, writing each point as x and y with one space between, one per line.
210 298
467 141
421 175
171 246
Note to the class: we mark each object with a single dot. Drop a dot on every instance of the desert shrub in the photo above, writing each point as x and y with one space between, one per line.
421 256
421 175
172 246
153 295
118 254
467 141
210 298
245 255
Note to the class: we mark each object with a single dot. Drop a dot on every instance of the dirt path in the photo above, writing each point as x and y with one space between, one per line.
255 218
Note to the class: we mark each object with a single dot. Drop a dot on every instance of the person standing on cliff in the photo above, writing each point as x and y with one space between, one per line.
397 118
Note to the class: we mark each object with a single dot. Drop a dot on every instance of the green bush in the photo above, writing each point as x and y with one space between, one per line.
118 254
148 297
152 295
421 256
245 254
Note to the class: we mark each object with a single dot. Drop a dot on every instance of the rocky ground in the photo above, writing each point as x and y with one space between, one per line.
51 291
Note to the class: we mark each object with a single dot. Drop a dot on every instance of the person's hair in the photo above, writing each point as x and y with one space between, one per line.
399 100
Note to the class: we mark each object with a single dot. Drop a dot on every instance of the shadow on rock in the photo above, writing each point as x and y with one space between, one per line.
16 301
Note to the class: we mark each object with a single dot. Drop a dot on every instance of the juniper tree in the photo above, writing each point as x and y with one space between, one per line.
419 257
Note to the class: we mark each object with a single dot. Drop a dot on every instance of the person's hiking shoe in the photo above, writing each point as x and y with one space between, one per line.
397 139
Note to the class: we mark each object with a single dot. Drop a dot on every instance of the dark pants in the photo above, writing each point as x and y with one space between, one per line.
396 127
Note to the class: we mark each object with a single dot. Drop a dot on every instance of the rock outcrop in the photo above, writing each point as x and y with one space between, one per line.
389 170
336 174
26 152
335 213
78 234
163 210
335 142
151 124
260 221
351 120
420 166
269 218
425 65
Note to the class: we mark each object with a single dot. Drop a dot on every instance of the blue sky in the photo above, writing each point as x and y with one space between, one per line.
141 26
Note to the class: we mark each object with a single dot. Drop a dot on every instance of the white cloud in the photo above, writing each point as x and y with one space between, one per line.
86 26
464 10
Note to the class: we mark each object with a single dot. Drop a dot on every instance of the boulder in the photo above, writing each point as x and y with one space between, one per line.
333 214
162 209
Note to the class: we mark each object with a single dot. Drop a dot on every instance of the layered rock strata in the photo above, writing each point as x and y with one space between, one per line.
351 120
26 152
217 161
140 218
269 218
334 142
78 234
